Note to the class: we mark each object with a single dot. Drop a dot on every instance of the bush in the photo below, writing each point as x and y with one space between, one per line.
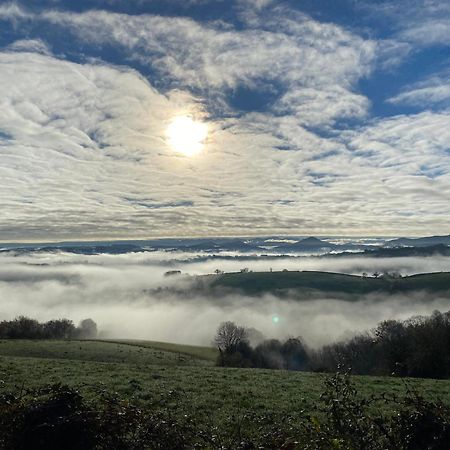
49 419
349 422
57 417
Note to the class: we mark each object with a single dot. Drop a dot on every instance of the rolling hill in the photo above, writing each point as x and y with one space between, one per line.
259 283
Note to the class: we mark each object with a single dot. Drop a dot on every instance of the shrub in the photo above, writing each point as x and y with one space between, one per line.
57 417
352 422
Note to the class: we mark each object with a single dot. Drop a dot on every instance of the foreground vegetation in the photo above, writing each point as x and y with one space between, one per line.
183 396
57 416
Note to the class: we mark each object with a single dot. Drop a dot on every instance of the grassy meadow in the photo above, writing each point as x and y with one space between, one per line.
182 380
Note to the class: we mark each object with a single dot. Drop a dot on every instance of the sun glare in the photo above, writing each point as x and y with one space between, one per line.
187 136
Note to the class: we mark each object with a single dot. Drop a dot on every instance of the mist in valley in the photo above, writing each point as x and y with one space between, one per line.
117 291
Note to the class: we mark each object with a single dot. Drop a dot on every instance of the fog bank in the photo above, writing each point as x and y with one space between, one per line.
115 291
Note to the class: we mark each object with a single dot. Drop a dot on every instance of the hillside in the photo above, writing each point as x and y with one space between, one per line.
125 352
194 351
212 396
258 283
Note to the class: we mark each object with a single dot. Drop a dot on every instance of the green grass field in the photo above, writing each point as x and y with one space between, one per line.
179 379
193 351
127 352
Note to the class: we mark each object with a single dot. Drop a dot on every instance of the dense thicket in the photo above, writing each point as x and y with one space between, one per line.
26 328
58 417
417 347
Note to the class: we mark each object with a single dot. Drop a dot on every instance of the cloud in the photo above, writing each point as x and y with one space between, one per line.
434 31
257 4
307 105
297 53
84 154
407 31
413 145
392 53
30 45
433 91
13 11
422 23
405 163
74 133
415 27
83 150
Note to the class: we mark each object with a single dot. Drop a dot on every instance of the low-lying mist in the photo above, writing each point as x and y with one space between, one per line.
115 291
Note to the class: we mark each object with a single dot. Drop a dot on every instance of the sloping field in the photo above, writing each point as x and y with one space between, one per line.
101 352
193 351
222 402
211 395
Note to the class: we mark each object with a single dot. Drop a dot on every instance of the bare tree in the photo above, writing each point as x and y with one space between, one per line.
229 336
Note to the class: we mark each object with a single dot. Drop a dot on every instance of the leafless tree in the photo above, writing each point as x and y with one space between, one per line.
229 336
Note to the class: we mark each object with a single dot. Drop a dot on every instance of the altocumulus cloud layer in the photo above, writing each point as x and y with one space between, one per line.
317 126
118 292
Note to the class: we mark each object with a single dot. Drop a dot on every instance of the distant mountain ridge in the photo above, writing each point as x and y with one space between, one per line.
398 252
419 242
267 246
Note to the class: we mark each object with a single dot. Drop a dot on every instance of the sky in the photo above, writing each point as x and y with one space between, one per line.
324 117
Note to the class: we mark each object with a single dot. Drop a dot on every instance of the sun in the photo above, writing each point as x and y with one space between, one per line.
186 135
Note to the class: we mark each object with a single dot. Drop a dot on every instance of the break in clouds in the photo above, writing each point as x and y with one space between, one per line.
118 292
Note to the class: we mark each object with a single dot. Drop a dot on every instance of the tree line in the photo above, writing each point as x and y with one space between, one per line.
416 347
25 328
